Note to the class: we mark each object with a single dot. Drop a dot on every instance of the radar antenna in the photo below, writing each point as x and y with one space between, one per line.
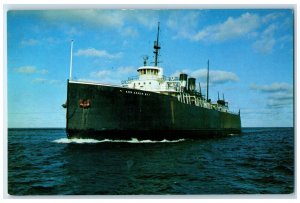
145 57
156 47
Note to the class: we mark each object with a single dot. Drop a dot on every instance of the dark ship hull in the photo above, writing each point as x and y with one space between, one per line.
111 112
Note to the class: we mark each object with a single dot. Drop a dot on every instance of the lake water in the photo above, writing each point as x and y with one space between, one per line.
45 162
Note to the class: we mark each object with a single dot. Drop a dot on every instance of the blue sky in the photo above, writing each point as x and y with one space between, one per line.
250 53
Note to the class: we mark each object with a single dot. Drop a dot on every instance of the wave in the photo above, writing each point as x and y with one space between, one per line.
133 140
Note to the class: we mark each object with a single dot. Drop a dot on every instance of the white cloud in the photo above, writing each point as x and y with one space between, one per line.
29 42
231 28
215 76
274 87
126 70
101 73
129 32
270 17
246 25
266 40
147 18
88 17
111 76
45 81
183 24
30 70
43 71
92 52
73 31
279 103
104 19
282 95
280 99
279 95
45 40
26 70
39 80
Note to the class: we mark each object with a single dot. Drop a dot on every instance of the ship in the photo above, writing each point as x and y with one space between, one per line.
147 106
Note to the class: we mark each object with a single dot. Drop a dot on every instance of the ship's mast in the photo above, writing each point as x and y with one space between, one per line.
71 60
156 47
207 80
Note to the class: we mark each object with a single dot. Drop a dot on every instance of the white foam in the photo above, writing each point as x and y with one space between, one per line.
133 140
75 140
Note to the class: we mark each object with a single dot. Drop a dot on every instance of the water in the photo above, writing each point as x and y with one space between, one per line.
45 162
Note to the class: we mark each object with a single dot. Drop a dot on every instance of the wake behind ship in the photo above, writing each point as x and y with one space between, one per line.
149 106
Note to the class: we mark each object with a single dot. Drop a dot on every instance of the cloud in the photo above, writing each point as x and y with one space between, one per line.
279 103
45 81
280 99
112 76
39 80
43 71
183 23
231 28
129 32
147 18
261 28
274 87
26 70
186 27
279 95
92 52
73 32
215 76
266 40
126 70
45 40
29 42
103 19
101 73
270 17
87 17
30 70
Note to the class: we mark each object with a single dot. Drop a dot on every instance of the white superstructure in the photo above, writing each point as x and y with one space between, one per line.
151 78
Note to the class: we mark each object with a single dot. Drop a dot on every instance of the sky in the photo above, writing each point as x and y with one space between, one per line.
250 52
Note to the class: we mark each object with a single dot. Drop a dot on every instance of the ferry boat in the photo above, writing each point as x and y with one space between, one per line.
147 106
